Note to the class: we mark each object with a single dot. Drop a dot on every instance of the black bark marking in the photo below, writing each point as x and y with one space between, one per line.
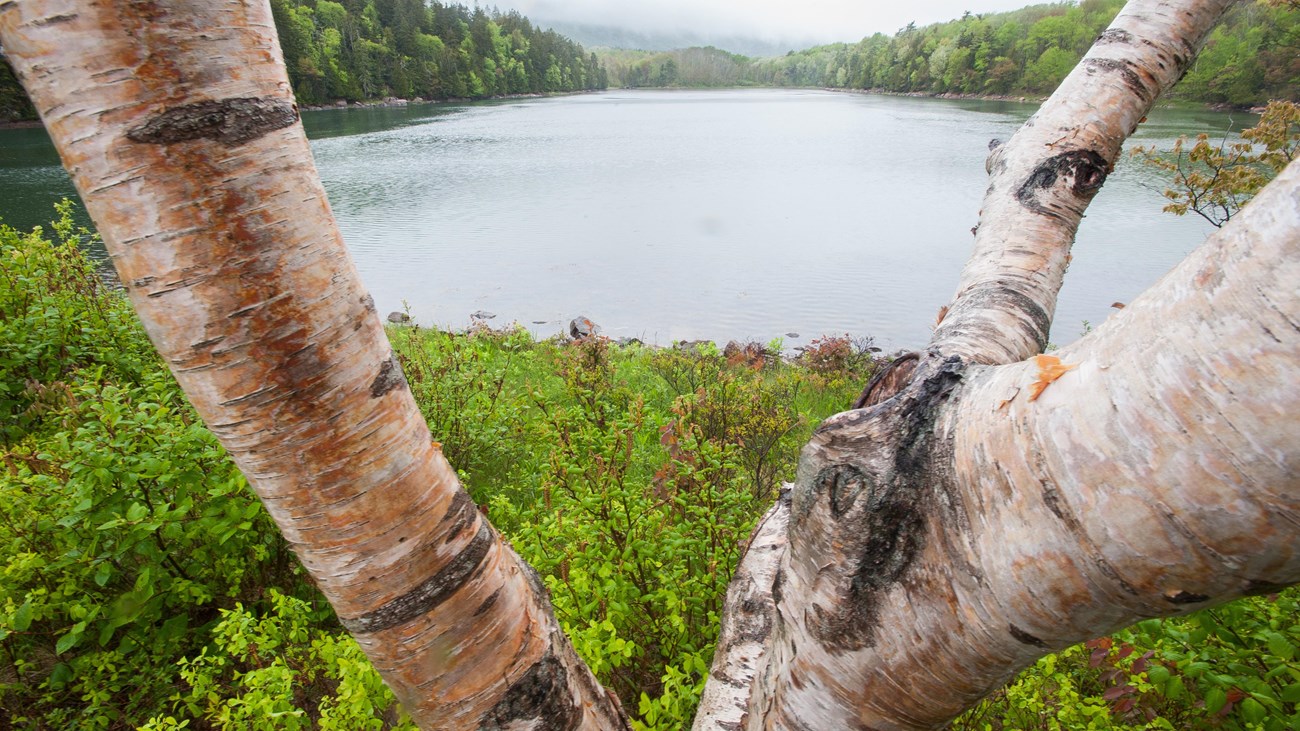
432 592
228 121
1257 587
884 520
368 302
542 696
488 603
842 483
755 621
460 514
1033 321
1052 498
1184 597
1024 637
390 378
1084 171
1109 572
1114 35
1126 72
778 583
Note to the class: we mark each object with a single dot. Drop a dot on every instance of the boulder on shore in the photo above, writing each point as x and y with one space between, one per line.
399 318
582 327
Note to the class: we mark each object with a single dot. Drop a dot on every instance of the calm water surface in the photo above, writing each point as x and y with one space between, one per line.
689 214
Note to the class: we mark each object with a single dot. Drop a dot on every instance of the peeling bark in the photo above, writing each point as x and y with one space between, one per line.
1043 178
988 509
177 123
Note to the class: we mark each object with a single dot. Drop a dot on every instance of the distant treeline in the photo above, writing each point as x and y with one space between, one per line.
1252 57
357 50
369 49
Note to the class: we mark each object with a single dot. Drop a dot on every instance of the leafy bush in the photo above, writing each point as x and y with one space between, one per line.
142 583
277 671
1215 181
123 526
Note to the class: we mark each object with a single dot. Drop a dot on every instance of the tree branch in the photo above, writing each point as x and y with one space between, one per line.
1043 178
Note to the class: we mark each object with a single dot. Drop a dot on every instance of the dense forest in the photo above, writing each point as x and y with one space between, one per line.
1253 56
357 50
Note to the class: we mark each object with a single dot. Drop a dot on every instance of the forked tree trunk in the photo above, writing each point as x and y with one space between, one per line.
993 510
176 120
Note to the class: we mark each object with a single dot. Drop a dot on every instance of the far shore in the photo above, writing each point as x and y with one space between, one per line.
400 102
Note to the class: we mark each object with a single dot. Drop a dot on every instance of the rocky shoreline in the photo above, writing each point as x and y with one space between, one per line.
394 101
582 327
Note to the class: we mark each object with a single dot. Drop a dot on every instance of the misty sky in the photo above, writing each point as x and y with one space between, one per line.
818 20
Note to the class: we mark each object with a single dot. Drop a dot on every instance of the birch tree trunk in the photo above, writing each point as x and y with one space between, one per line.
992 510
177 123
982 511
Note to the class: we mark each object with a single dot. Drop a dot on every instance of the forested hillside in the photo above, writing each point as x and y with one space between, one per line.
370 49
1253 56
356 50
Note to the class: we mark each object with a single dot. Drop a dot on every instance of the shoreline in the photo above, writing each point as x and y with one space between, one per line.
398 102
387 102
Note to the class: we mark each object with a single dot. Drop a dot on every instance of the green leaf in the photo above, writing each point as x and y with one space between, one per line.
103 572
1215 699
173 628
1279 646
60 675
1291 693
136 512
23 617
70 640
1253 710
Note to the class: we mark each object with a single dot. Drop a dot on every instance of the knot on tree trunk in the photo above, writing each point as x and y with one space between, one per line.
865 493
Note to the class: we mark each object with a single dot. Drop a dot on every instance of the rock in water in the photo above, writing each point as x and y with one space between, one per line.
398 317
581 327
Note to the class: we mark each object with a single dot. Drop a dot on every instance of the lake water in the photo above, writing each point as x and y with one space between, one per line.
669 215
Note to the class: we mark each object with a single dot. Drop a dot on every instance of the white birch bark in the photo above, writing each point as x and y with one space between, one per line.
177 123
931 546
1043 178
948 537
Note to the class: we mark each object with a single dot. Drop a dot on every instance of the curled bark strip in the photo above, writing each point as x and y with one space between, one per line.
888 381
228 121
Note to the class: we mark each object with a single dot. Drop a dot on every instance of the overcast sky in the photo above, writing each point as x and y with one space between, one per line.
819 20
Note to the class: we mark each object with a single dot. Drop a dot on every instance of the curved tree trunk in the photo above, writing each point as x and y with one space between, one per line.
992 510
988 514
178 125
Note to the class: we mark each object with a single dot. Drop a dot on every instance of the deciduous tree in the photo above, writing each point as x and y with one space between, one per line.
993 505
